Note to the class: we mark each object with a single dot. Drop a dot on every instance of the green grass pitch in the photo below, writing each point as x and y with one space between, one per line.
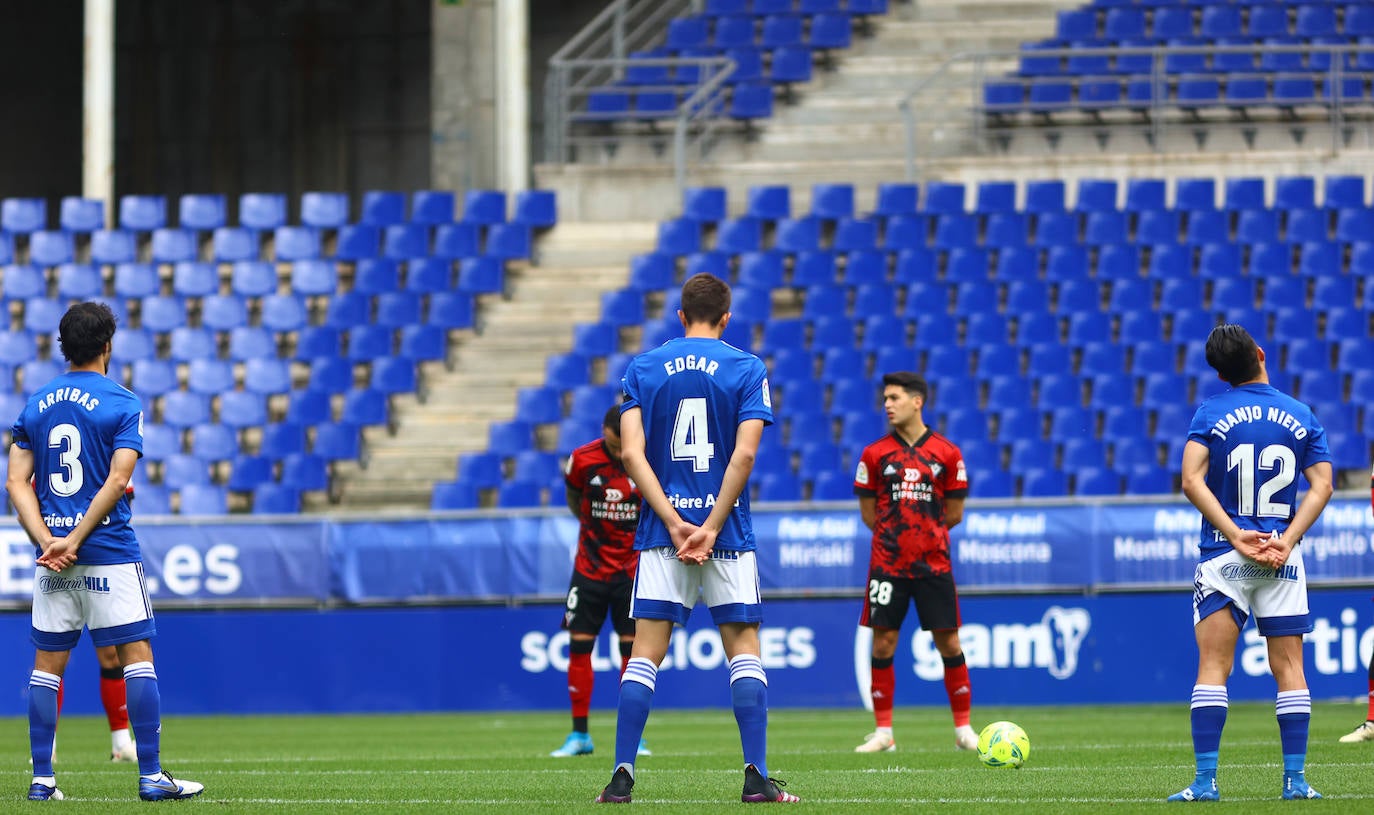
1122 759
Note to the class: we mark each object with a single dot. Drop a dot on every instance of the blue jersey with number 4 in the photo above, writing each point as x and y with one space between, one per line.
693 393
73 425
1260 441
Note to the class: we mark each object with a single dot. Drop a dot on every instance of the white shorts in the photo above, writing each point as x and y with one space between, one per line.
668 589
1277 597
110 600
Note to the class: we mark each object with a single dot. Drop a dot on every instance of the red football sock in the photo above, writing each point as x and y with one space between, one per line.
116 705
1369 717
61 686
960 692
884 685
580 678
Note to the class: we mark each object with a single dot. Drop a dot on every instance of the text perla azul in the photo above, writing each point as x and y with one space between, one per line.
691 362
1253 413
76 395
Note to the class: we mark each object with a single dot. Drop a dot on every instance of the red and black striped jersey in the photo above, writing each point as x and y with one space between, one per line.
609 513
909 484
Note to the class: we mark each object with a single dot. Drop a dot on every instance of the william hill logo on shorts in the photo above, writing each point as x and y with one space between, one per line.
1256 571
53 584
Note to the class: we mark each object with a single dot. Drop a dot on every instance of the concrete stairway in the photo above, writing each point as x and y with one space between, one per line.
477 385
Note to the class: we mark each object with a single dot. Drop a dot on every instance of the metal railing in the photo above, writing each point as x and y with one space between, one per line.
945 114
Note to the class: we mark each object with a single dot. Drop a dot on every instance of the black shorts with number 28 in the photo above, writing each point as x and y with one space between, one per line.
589 601
937 601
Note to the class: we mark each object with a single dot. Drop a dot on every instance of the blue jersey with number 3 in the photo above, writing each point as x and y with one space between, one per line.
693 393
73 425
1260 441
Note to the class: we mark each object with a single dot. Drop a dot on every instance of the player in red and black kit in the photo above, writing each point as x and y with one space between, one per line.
911 486
605 500
1365 732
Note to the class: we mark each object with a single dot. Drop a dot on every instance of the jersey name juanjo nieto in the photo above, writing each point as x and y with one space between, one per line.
1259 442
693 393
609 514
909 484
73 425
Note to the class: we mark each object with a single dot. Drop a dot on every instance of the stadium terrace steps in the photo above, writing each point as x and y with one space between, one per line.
577 263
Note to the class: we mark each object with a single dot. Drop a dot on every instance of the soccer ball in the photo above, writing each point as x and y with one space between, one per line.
1003 744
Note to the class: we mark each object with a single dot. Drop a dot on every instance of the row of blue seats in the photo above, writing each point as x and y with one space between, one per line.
156 499
289 243
1241 92
760 8
746 101
809 234
1134 60
832 201
707 34
268 211
250 279
1212 20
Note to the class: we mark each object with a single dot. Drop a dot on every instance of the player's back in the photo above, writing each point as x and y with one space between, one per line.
73 425
1260 441
693 393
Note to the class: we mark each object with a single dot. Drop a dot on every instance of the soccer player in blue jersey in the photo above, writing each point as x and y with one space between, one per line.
690 426
79 438
1245 449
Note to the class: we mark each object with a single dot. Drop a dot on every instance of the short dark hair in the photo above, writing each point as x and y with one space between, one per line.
84 330
705 299
612 419
1231 351
908 381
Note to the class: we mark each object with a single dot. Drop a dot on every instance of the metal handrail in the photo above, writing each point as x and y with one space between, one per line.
1335 103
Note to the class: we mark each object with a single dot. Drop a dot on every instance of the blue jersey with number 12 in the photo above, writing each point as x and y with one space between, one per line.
73 425
693 393
1259 441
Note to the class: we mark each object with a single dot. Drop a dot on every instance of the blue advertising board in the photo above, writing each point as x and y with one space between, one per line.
1045 649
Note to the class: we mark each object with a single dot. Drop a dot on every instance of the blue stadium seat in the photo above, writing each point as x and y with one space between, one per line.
274 499
282 439
383 208
813 268
242 409
324 210
79 281
291 243
141 213
537 209
36 373
232 244
485 207
1293 192
1043 482
423 343
305 472
253 279
336 441
183 409
160 441
224 312
113 246
212 442
50 247
254 342
432 207
314 277
769 203
404 241
518 494
205 375
737 235
456 241
369 342
201 212
365 407
262 211
358 241
195 279
77 215
283 312
564 371
397 308
202 499
483 275
330 374
451 495
307 407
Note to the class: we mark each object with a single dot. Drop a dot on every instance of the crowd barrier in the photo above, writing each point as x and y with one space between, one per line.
1071 603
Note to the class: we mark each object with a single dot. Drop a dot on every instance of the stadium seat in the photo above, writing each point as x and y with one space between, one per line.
769 203
830 485
205 375
79 281
365 407
336 441
1042 482
195 279
484 275
262 211
281 439
432 207
141 213
519 494
292 243
251 342
276 499
451 495
201 212
314 277
537 209
214 442
405 241
183 469
394 375
242 409
82 215
484 207
304 472
232 244
324 210
203 499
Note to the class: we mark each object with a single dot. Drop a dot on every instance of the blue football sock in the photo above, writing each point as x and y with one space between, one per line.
145 715
636 699
42 719
749 696
1294 711
1209 708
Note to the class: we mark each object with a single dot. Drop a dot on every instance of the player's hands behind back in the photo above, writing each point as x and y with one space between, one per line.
58 554
699 546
